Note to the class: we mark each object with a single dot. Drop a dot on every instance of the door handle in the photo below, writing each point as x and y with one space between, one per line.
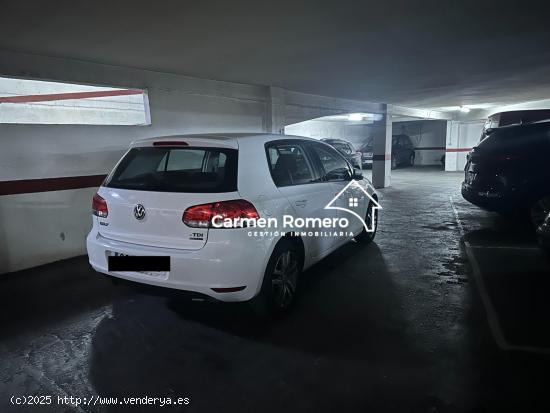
301 203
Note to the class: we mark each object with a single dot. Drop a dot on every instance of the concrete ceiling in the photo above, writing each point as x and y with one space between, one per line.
415 53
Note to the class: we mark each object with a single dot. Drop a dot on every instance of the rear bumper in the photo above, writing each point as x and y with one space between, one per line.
216 265
492 201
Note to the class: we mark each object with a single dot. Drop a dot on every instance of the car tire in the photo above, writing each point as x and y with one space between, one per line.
539 210
366 237
280 280
411 159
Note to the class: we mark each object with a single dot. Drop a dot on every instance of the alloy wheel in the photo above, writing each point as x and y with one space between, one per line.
372 216
284 279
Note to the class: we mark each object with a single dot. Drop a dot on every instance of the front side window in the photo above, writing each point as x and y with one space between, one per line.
176 170
335 167
289 164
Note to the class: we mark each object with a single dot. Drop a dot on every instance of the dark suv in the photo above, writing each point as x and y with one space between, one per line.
509 171
514 117
402 151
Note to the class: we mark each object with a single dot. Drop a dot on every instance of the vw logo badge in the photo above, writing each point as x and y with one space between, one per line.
139 212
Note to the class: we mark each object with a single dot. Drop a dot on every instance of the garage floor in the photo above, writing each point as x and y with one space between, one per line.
420 321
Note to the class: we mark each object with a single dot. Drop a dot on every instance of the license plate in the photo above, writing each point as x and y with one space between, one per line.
156 274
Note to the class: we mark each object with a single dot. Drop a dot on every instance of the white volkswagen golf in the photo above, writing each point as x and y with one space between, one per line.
193 200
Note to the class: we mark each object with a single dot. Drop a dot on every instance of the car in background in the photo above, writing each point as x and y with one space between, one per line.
544 235
402 152
164 195
509 171
514 117
347 150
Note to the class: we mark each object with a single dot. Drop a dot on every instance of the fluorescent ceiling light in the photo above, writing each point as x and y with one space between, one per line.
464 109
355 116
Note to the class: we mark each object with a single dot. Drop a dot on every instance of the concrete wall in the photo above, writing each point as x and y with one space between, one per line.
43 227
461 137
428 137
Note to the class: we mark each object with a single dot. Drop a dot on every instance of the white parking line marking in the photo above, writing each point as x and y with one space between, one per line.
492 316
505 247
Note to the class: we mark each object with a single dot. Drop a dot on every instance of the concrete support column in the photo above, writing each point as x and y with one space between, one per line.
275 110
382 140
451 145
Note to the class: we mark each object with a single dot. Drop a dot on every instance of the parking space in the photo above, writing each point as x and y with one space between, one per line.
403 316
515 276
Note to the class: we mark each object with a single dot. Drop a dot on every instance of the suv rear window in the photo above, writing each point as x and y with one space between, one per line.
204 170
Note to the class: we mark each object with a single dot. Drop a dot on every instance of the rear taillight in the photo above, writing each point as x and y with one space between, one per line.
99 207
201 216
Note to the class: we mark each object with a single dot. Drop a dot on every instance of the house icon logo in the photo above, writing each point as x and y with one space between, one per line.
353 202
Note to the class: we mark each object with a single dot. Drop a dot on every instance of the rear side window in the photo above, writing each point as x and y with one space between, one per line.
176 170
289 164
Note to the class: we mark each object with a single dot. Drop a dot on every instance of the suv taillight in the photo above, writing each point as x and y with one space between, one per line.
99 207
200 216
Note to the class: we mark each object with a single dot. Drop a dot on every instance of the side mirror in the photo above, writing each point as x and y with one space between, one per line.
340 174
357 174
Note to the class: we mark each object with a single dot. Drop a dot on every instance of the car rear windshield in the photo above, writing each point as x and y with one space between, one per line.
166 169
367 146
342 147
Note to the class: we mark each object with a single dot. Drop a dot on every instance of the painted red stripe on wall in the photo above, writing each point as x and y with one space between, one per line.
430 148
26 186
69 96
433 148
385 157
458 150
